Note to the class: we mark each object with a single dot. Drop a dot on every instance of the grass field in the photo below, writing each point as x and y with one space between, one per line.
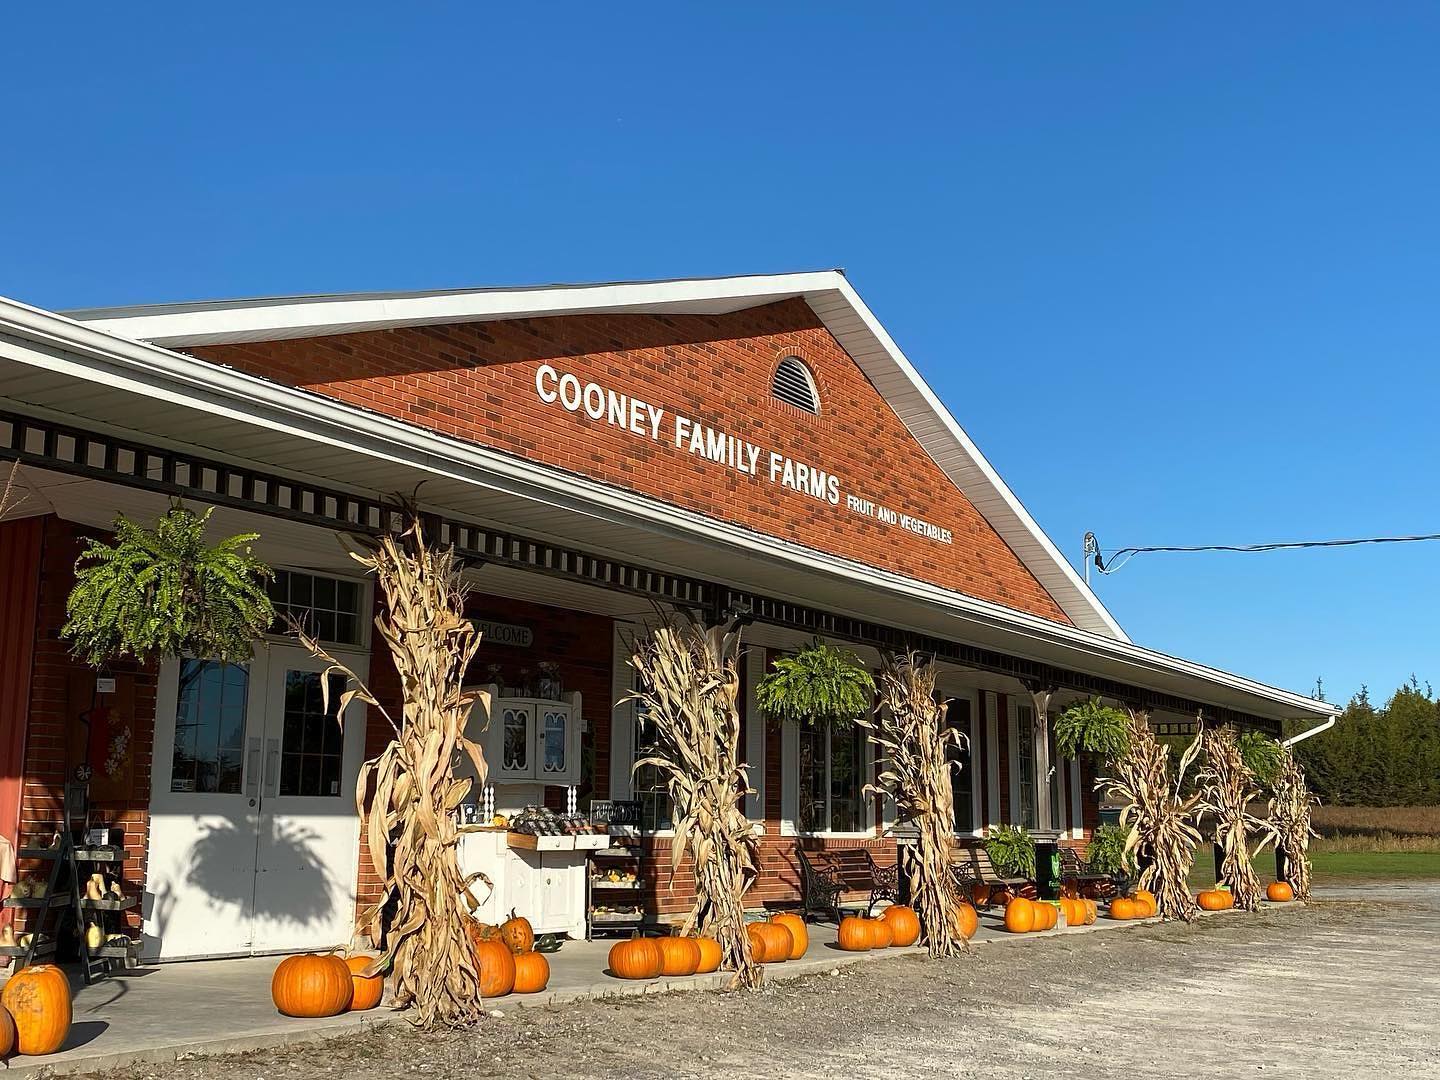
1374 829
1358 843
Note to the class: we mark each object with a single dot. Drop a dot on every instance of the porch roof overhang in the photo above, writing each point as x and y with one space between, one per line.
56 369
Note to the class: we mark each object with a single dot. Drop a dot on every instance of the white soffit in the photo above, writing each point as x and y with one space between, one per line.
828 293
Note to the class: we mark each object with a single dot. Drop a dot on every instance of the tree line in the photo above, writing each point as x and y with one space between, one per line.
1379 756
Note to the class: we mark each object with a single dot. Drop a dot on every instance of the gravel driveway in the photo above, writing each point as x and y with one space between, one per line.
1345 987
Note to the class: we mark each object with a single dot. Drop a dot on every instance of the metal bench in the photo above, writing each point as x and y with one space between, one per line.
837 880
971 865
1077 872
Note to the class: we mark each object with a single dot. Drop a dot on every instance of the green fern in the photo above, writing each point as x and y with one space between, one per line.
1262 755
1092 727
1107 852
162 592
820 684
1012 851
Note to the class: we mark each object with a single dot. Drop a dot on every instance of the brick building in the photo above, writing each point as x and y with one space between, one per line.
595 452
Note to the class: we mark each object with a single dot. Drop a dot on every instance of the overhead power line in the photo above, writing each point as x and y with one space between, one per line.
1120 556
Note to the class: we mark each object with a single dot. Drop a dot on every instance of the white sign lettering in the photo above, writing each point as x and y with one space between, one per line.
690 436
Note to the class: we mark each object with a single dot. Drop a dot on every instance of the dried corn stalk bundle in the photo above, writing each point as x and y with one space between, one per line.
689 680
1290 806
1161 822
909 731
408 793
1228 786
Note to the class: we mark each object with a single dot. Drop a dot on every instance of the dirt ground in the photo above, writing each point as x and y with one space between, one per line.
1345 987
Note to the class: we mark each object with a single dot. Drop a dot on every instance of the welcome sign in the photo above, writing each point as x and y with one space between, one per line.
690 436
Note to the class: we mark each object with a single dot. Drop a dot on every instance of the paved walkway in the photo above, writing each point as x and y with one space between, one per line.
164 1012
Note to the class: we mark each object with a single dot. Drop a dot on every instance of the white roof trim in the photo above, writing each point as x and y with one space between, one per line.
828 293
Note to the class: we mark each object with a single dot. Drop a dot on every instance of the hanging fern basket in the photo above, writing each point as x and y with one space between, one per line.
1092 727
162 592
820 684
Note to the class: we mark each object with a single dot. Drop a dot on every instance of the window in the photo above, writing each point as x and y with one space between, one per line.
794 385
1023 783
648 786
312 745
957 715
831 774
328 607
209 727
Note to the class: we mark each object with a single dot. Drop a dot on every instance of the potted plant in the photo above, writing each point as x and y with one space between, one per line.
1092 727
164 591
1012 851
820 684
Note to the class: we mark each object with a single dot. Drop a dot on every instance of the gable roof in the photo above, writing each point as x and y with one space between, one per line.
828 293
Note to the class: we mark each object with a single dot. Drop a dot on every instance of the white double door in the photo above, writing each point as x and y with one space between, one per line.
254 834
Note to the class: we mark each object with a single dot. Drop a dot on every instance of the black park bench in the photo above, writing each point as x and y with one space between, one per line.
971 865
844 879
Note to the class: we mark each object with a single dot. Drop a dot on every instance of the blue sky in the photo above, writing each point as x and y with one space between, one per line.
1173 266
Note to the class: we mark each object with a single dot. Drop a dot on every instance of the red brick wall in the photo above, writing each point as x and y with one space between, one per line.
49 757
477 382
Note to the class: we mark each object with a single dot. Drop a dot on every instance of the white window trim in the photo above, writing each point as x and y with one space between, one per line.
975 698
790 789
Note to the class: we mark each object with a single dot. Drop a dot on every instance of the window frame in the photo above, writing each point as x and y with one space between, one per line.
365 615
977 814
1016 786
790 787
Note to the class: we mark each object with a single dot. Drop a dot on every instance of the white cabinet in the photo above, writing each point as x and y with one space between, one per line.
529 740
547 887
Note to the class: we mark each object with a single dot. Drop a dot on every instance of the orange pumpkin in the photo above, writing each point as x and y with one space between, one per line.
1048 915
478 931
532 972
980 895
1092 910
638 958
882 935
854 934
1020 916
969 921
310 985
1122 907
497 968
1215 900
1146 899
779 942
517 933
710 955
799 933
7 1034
37 999
366 990
904 924
678 955
1280 892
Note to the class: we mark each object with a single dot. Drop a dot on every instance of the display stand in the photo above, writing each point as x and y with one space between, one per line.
70 866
